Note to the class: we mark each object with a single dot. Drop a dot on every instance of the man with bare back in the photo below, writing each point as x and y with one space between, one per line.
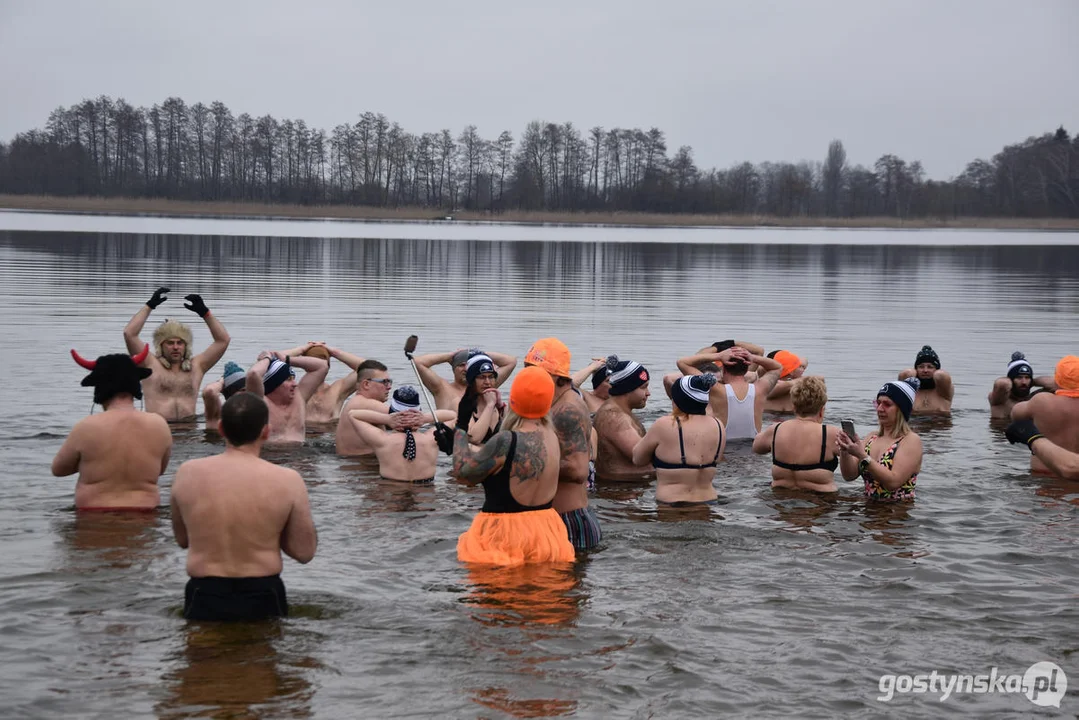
447 395
120 453
617 428
272 377
172 389
572 425
235 514
1055 414
407 453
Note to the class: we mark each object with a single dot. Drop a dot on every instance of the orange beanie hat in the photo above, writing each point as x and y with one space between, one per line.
531 393
1067 376
789 361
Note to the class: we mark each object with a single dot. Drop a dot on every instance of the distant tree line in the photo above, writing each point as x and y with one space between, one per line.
174 150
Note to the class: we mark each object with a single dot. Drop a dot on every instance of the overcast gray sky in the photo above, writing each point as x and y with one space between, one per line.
941 81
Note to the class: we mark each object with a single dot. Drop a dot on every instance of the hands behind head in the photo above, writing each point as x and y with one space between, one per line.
407 420
850 445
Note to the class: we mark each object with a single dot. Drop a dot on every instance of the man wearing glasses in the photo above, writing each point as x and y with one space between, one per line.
273 377
373 385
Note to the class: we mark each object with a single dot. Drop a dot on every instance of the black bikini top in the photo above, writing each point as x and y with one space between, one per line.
496 488
664 465
821 464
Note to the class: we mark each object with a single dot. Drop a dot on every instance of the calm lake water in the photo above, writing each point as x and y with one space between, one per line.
778 604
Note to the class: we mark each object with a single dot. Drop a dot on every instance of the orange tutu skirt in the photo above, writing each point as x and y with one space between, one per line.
535 536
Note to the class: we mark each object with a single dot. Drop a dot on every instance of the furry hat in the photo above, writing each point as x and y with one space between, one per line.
168 330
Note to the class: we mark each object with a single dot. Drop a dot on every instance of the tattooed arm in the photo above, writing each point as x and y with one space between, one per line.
475 466
572 426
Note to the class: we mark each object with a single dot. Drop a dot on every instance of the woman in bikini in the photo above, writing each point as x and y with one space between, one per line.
891 458
804 455
684 446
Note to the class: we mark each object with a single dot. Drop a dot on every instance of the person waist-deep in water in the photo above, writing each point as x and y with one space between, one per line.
236 514
518 469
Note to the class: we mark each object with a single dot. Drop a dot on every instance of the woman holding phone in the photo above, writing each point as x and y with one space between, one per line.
803 449
891 458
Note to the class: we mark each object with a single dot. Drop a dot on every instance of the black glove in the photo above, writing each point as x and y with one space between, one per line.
196 305
444 437
158 298
465 410
721 345
1023 431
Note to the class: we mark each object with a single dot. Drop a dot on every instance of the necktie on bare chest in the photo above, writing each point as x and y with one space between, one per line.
410 446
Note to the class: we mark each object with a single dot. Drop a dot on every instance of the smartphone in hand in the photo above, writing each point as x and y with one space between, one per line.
848 427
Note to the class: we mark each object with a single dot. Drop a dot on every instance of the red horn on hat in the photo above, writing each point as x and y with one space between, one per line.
88 364
142 354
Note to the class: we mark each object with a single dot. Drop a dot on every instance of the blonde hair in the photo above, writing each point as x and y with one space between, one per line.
511 420
809 394
678 413
902 427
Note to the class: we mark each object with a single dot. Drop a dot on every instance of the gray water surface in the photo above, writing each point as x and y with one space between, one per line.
778 604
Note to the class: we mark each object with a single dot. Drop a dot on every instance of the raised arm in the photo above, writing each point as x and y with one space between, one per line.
135 324
475 466
944 384
315 370
253 384
584 373
208 357
768 371
364 423
432 380
908 373
299 539
211 401
504 365
1002 386
1045 381
353 361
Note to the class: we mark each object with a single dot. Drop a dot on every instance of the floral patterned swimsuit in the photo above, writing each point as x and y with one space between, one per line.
875 491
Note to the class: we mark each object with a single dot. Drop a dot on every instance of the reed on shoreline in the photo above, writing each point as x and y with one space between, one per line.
165 207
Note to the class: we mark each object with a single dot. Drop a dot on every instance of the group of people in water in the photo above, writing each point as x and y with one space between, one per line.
537 456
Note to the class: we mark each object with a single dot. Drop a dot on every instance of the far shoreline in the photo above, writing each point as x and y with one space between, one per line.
158 207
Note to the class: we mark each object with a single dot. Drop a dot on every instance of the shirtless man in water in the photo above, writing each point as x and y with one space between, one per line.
173 388
235 514
448 394
120 453
1008 391
406 453
1055 414
618 429
373 385
272 377
597 372
1063 463
569 417
324 407
935 390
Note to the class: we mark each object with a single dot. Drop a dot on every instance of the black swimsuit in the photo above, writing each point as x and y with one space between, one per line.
664 465
496 488
822 464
